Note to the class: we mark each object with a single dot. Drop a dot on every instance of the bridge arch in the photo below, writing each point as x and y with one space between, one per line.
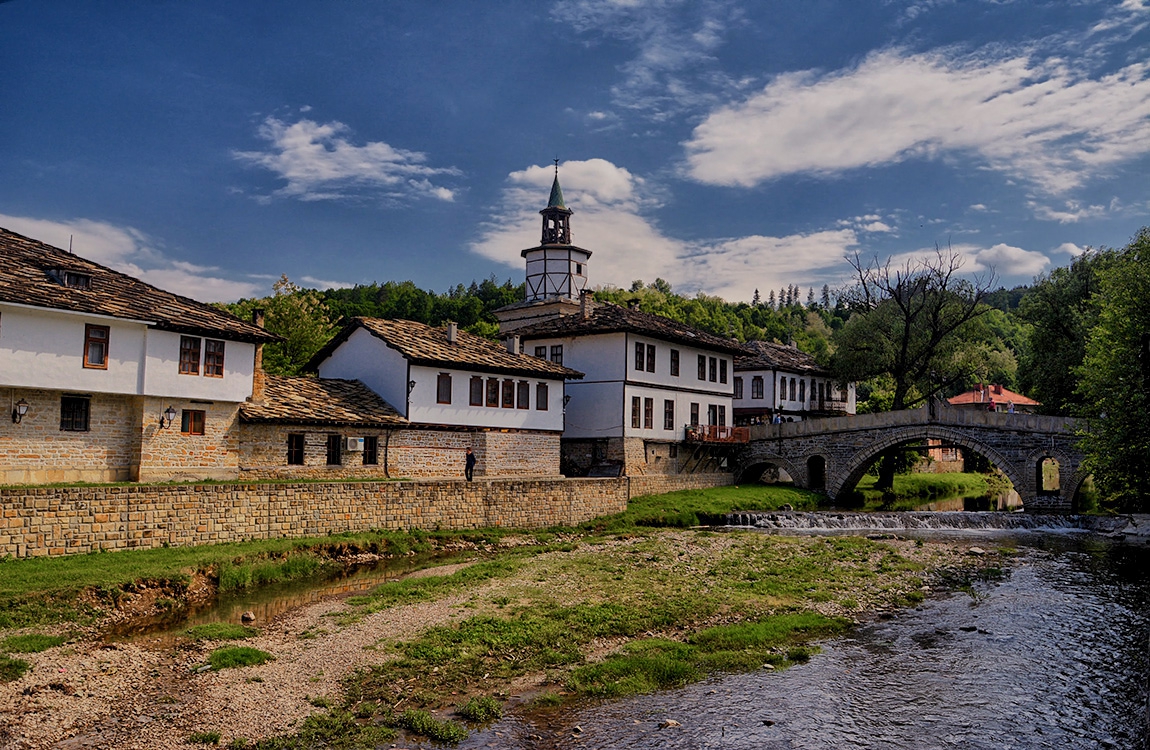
848 475
1071 472
756 465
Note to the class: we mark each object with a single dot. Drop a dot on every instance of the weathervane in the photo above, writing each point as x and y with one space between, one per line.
556 166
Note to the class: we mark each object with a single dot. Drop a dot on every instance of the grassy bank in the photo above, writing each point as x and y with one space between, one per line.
913 490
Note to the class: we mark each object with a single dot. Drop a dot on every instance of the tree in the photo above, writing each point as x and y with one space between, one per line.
1115 379
1061 311
299 316
826 297
771 300
912 323
756 300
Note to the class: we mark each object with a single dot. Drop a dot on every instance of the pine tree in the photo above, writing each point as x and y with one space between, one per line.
756 300
826 297
811 297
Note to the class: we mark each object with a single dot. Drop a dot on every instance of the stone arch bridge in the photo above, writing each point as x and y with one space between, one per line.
832 454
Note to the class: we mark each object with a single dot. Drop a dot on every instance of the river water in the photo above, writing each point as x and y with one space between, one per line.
1056 655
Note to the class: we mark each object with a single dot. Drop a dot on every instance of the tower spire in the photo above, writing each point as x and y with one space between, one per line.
556 217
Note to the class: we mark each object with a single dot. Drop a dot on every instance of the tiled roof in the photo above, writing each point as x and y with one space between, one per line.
767 355
320 401
30 275
616 319
997 392
424 345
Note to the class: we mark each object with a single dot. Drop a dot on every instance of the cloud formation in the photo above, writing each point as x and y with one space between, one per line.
130 251
1043 122
612 218
320 163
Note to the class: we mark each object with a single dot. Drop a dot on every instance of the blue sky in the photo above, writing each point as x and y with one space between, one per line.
724 146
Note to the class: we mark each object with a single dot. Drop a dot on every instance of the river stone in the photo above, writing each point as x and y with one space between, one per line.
978 551
669 723
248 616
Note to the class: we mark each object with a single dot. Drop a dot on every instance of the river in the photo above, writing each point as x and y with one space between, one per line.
1055 655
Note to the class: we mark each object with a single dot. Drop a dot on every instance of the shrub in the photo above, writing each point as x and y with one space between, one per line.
204 738
238 656
481 709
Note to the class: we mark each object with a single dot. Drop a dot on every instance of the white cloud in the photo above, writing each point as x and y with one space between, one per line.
1069 248
1071 214
130 251
978 207
1041 121
1007 260
612 219
320 163
314 283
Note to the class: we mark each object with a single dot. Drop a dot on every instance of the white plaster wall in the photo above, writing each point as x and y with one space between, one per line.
366 358
683 401
770 379
595 409
425 409
162 370
688 376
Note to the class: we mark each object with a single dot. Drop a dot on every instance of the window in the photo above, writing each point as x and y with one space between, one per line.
650 357
722 416
636 405
295 449
713 370
75 280
802 390
476 388
668 414
757 386
541 352
738 386
702 367
578 269
493 391
522 395
74 413
192 422
333 450
189 355
508 394
675 362
541 396
443 388
640 354
96 347
213 358
557 354
722 371
792 389
694 415
648 413
370 450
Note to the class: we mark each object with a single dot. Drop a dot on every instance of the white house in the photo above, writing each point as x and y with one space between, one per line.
650 384
774 381
112 379
456 390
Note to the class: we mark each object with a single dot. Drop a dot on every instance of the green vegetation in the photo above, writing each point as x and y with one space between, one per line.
481 709
12 669
204 738
422 722
221 631
913 490
233 576
33 643
334 729
688 508
238 656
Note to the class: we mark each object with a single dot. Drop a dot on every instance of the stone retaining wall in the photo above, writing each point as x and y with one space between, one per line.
68 520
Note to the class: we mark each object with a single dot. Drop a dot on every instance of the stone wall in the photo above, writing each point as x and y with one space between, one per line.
68 520
168 453
657 484
412 454
37 451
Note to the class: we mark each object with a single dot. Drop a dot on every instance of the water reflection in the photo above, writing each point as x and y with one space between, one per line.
1055 656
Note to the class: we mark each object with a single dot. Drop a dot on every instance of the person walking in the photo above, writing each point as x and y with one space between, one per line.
469 465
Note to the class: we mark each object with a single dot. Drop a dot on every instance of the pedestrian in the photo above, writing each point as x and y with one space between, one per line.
1009 407
469 467
990 406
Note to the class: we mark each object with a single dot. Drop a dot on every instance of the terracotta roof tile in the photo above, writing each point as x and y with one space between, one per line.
767 355
320 401
984 396
30 274
425 345
615 319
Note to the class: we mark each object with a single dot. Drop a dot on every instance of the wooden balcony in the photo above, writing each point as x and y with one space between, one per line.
711 433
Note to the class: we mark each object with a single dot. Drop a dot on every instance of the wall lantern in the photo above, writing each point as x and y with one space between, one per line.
410 386
19 410
566 399
167 417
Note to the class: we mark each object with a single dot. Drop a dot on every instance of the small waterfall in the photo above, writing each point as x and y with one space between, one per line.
905 521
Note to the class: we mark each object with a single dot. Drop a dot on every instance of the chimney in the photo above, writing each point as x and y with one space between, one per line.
584 304
259 379
452 331
512 344
998 388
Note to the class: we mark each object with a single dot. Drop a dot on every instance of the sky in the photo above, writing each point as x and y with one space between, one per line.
725 146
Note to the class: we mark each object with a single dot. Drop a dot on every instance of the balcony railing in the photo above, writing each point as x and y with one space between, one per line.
712 433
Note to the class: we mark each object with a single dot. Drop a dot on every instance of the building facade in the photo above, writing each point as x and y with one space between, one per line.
774 382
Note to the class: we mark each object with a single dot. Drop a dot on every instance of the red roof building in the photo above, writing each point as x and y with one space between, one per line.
994 398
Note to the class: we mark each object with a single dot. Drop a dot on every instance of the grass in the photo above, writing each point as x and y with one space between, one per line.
913 490
12 669
33 643
688 508
481 709
220 631
238 656
204 738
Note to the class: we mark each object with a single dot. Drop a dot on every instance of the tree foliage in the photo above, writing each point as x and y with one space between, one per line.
1114 378
916 323
299 315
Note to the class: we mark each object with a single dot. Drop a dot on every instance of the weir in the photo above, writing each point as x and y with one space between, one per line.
933 521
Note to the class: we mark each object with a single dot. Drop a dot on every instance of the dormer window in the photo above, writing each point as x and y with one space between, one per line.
74 280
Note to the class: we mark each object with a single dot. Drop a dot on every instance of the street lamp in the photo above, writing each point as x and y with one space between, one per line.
19 410
167 417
